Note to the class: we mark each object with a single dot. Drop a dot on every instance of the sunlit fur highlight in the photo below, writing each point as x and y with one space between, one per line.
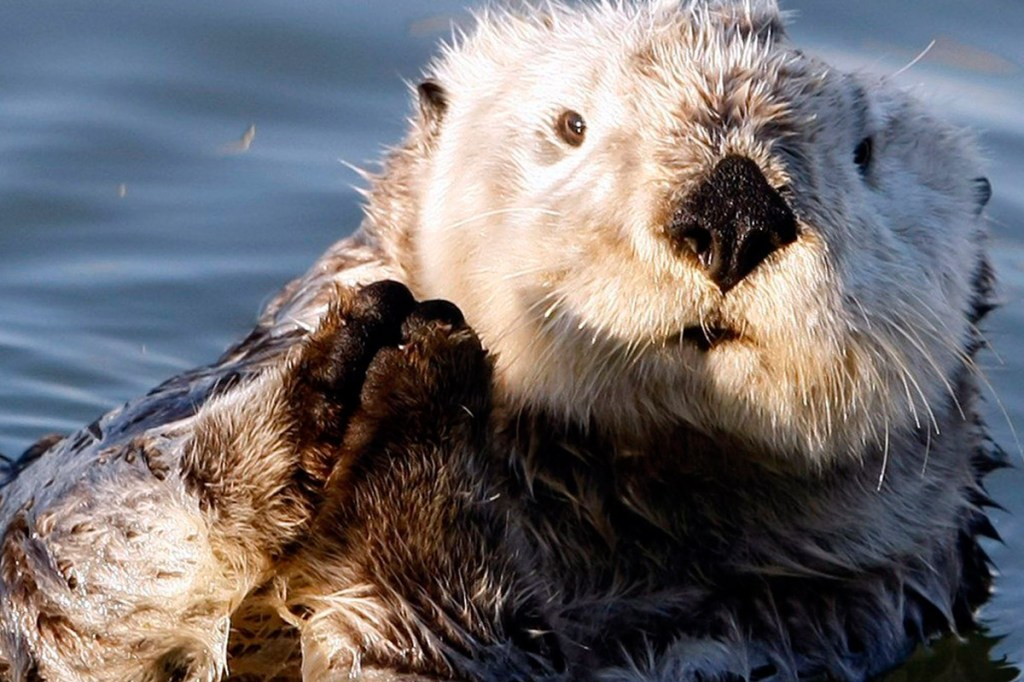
558 254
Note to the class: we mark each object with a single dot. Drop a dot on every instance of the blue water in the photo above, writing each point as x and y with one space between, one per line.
134 243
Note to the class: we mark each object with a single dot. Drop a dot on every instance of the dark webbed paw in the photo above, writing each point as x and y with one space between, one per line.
434 385
329 374
380 360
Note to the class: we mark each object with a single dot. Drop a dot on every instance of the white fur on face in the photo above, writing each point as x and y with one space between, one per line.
557 254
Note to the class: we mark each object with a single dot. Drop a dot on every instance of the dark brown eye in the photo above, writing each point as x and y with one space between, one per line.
862 154
571 127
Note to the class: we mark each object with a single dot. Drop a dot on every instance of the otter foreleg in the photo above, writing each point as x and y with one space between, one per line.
414 567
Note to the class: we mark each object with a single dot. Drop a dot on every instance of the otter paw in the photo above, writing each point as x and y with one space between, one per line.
329 373
437 378
379 362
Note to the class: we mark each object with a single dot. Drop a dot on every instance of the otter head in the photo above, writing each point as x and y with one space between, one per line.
666 215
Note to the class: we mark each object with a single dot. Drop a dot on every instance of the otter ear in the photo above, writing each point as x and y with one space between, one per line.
982 193
433 100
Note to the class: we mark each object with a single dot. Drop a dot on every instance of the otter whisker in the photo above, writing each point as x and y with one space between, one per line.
901 365
921 55
885 457
948 341
899 362
526 315
905 374
927 452
971 364
918 344
526 272
949 338
967 360
504 211
910 401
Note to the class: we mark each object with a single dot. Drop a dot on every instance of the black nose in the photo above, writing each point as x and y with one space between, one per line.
732 221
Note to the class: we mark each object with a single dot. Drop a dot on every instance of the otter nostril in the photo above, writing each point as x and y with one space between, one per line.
695 239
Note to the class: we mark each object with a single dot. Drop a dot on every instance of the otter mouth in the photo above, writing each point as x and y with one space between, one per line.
704 338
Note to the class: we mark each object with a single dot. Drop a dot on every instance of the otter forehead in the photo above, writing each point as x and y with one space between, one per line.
704 64
667 207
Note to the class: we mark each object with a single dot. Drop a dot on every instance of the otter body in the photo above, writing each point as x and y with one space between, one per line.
711 413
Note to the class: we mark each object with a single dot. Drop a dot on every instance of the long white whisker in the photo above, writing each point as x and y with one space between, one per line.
971 364
900 363
918 344
921 55
503 211
885 457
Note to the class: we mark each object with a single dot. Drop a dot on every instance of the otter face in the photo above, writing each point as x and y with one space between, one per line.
670 215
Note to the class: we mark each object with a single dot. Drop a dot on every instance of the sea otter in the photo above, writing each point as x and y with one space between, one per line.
704 408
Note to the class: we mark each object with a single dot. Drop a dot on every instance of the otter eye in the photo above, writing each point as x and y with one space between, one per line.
571 127
862 154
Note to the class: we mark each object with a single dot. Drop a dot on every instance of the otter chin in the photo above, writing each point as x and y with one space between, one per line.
652 360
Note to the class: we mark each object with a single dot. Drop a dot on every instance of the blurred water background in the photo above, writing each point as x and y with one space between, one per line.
166 165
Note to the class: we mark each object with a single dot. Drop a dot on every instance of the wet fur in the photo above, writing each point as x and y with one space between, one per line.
358 488
346 495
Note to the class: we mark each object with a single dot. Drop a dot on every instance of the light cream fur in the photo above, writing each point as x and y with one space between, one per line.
557 257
